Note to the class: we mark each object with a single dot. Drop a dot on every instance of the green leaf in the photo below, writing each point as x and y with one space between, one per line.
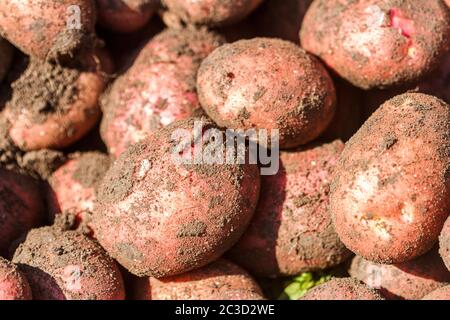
299 285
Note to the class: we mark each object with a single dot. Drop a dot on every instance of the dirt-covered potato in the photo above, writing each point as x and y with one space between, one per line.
291 231
342 289
6 56
159 217
211 12
441 293
377 43
266 83
390 195
410 280
220 280
66 265
13 284
158 89
444 243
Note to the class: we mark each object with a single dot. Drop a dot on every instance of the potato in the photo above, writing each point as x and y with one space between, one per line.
444 243
159 218
6 56
13 284
291 231
72 188
47 28
410 280
220 280
390 195
54 106
268 84
211 12
158 89
342 289
66 265
21 206
125 16
377 43
439 294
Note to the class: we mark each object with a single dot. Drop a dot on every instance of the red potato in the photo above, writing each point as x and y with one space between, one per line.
266 83
410 280
6 56
54 106
439 294
211 12
53 27
377 43
447 2
13 284
21 206
125 16
72 188
342 289
66 265
158 89
159 218
220 280
390 195
444 243
291 231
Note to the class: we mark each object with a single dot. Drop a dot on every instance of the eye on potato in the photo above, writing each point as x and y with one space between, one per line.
220 280
158 89
410 280
47 34
444 243
6 56
66 265
439 294
13 284
377 43
265 83
291 231
342 289
390 194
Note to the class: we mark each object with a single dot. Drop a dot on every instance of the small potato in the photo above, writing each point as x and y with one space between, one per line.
211 12
6 56
44 28
342 289
13 284
266 83
158 89
54 106
158 217
125 16
410 280
72 188
220 280
21 206
66 265
390 195
439 294
444 243
377 43
291 231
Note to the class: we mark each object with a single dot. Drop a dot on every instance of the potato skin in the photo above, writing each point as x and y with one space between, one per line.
6 56
385 206
125 16
159 218
410 280
220 280
21 206
266 83
158 89
66 265
342 289
291 231
439 294
377 43
13 284
45 22
444 243
211 12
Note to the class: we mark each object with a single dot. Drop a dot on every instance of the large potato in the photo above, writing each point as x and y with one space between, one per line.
342 289
391 193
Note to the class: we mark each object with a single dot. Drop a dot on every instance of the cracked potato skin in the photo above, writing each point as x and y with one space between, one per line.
390 195
377 43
